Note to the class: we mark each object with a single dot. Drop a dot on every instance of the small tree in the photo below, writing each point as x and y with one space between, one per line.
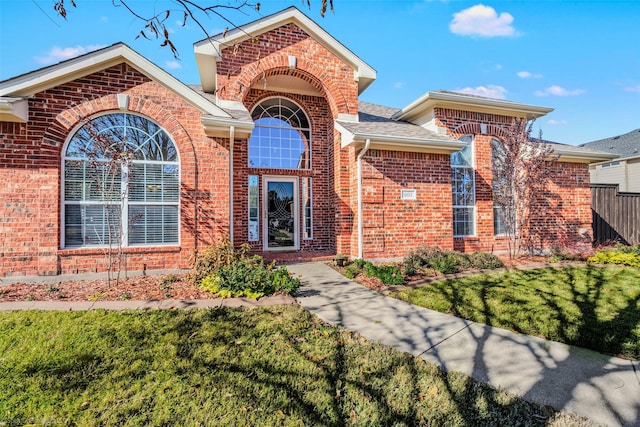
522 168
107 160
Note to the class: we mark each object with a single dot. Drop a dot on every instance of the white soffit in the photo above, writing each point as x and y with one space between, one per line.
208 51
29 84
288 84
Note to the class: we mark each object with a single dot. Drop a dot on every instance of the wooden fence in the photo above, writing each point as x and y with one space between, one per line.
616 216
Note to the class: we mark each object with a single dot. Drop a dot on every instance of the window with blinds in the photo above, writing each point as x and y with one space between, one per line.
121 184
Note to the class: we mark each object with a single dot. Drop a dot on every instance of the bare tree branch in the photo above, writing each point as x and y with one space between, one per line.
154 23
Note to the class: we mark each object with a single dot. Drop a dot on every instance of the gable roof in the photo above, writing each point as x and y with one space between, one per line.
626 145
208 51
26 85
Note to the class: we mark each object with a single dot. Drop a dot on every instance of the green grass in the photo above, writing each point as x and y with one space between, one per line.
276 366
591 307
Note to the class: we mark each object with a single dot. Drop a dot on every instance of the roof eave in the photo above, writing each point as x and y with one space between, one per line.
221 127
574 157
432 100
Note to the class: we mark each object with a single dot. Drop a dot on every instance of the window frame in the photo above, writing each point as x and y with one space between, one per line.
470 207
129 202
303 132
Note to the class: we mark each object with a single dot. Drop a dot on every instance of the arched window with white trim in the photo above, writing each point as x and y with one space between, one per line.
464 190
281 136
121 184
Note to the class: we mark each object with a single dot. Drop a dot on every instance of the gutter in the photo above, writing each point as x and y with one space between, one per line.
360 227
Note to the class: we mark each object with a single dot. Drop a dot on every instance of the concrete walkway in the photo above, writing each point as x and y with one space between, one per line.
604 389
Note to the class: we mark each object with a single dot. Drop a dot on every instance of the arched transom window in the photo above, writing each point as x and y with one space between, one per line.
121 184
281 137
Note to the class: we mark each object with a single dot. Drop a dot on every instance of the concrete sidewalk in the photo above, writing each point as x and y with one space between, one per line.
604 389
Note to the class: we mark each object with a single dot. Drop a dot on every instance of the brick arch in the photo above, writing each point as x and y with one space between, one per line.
307 71
472 128
57 133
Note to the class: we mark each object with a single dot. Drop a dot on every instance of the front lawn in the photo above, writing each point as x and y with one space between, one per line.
268 367
591 307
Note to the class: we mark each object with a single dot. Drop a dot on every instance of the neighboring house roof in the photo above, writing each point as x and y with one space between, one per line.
208 51
627 145
376 124
15 91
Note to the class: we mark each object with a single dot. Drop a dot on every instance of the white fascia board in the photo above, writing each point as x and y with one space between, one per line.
220 126
577 157
456 101
31 83
213 46
14 110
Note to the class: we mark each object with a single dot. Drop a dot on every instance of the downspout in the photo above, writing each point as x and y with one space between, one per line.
360 216
232 136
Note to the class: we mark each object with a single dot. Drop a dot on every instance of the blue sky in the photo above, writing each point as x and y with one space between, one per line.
580 57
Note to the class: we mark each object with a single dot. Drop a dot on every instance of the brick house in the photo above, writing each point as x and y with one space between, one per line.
273 149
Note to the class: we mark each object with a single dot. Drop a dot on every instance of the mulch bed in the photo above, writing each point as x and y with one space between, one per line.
133 288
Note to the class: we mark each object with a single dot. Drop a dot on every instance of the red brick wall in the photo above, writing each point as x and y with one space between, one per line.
393 227
253 60
30 159
564 215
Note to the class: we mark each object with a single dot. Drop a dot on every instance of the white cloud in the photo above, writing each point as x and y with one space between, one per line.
104 19
528 75
57 54
559 91
398 85
483 21
489 91
632 89
173 65
553 122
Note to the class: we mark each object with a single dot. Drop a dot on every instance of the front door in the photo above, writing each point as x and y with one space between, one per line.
281 213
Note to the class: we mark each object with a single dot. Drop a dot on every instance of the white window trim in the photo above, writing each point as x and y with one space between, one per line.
473 177
309 141
124 213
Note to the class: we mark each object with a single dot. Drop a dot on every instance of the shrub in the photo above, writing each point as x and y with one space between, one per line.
249 277
388 274
214 257
447 262
615 257
485 260
351 271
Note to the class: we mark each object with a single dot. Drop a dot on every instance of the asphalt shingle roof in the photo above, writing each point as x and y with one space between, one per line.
376 120
627 145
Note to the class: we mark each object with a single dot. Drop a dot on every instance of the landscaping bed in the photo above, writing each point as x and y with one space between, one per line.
131 288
